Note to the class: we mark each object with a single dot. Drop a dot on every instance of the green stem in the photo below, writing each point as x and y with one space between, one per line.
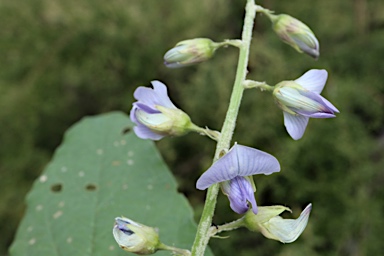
203 234
249 84
227 227
174 250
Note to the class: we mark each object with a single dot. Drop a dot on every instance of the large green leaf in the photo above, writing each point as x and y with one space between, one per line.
97 174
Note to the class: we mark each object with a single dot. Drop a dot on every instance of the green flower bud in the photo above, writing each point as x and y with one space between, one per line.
189 52
135 237
295 33
272 226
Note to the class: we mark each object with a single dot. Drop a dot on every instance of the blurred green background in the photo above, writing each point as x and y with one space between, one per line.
62 60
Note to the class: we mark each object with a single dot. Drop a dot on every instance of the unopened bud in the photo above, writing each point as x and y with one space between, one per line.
189 52
295 33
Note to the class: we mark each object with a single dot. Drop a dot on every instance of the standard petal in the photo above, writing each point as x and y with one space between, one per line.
239 161
152 97
313 80
162 94
146 96
226 168
295 125
252 161
287 230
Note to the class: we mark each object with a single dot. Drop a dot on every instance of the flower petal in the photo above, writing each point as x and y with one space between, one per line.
240 191
150 120
162 93
152 97
239 161
329 104
313 80
295 125
144 132
286 230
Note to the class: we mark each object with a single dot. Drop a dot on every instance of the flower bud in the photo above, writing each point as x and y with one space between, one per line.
134 237
295 33
189 52
272 226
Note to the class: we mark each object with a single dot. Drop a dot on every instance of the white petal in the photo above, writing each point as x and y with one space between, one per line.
287 230
313 80
295 125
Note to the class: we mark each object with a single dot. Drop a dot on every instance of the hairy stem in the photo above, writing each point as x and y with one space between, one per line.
203 235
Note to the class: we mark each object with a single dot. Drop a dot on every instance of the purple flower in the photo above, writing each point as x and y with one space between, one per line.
301 99
234 170
155 115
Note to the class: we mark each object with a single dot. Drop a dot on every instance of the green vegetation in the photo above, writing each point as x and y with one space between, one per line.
63 60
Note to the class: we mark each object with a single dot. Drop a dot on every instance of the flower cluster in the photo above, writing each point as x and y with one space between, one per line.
155 116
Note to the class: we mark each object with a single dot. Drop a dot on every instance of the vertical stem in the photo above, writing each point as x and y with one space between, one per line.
203 234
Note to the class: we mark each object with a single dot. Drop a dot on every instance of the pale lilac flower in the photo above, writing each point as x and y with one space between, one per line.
155 115
272 226
234 170
300 99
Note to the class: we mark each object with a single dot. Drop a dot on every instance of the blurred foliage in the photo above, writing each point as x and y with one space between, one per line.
63 60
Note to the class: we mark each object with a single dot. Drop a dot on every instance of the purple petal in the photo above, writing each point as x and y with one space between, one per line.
161 91
326 106
240 192
252 161
295 125
146 108
313 80
314 115
329 104
144 132
239 161
152 97
141 130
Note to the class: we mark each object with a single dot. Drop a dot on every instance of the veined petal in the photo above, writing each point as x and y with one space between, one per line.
295 125
313 80
240 191
239 161
252 161
286 230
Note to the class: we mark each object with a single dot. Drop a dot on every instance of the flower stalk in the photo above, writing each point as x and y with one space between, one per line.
203 234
